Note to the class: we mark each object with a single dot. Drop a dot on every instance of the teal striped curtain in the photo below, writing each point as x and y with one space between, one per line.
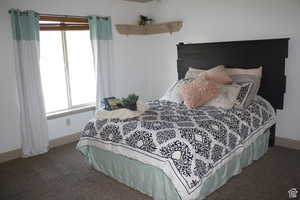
33 124
102 44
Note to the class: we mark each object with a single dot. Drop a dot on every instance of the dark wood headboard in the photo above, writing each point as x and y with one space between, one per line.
270 54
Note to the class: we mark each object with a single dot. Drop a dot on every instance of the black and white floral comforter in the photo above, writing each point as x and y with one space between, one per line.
187 144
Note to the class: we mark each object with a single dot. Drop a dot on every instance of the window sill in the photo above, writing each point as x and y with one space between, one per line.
65 113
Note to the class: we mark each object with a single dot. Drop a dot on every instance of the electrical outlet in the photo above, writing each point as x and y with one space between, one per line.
68 122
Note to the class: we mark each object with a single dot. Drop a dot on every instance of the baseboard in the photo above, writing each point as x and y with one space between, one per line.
10 155
14 154
288 143
64 140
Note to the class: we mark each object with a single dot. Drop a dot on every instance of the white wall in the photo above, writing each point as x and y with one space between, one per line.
9 127
219 20
129 61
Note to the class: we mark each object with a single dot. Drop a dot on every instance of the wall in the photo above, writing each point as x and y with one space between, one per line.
129 61
219 20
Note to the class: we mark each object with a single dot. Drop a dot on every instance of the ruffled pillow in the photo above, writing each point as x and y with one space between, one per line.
199 91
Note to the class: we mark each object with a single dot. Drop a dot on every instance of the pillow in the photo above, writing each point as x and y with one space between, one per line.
227 98
217 74
193 72
243 78
253 71
172 93
243 95
247 75
199 91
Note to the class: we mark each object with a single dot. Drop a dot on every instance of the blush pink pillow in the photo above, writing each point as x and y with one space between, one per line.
199 92
217 74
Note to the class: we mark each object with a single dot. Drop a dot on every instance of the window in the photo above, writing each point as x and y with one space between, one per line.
67 70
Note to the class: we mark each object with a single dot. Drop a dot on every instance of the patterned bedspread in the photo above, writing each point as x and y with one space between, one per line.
187 144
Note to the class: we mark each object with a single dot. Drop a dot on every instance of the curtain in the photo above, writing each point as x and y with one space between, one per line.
33 123
101 38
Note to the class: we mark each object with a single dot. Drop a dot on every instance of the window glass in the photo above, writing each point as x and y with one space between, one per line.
81 68
52 71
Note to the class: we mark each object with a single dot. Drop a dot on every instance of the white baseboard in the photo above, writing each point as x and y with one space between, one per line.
64 140
14 154
288 143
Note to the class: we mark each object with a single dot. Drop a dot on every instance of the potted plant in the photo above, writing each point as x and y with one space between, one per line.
130 102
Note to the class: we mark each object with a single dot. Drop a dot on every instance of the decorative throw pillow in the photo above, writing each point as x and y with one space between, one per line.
244 78
252 75
227 98
243 95
217 74
199 91
172 93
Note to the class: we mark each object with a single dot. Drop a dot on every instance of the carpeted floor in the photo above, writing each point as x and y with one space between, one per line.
63 174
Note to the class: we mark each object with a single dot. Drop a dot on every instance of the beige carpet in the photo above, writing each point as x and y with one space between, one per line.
63 174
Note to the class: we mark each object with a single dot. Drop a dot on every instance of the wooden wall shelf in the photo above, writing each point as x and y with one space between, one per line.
168 27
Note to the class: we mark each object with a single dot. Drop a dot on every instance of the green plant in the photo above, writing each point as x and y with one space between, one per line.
130 102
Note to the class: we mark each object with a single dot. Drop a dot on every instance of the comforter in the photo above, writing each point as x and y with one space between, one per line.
188 145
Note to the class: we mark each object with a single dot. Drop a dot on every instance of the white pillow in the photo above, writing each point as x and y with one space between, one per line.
172 93
227 97
194 72
243 96
241 76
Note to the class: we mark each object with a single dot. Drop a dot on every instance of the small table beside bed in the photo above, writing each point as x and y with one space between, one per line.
176 152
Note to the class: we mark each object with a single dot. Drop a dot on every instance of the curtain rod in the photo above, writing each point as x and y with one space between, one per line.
71 16
56 15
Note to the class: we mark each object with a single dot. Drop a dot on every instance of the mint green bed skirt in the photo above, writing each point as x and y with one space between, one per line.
153 182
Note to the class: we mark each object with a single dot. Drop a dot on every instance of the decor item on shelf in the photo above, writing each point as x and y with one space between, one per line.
130 102
145 20
148 29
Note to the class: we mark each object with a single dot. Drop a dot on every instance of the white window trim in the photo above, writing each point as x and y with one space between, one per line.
66 65
71 109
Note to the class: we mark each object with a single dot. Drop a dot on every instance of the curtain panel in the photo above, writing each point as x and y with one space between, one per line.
33 123
102 44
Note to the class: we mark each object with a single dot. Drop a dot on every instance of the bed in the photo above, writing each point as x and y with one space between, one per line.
173 152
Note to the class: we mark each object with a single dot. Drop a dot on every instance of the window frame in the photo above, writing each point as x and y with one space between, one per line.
63 23
66 24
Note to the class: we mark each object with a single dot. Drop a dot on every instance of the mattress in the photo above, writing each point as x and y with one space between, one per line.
190 152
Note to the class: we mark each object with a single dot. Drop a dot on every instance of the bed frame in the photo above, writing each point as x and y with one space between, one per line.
270 54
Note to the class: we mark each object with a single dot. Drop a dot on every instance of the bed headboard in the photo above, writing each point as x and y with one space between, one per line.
270 54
